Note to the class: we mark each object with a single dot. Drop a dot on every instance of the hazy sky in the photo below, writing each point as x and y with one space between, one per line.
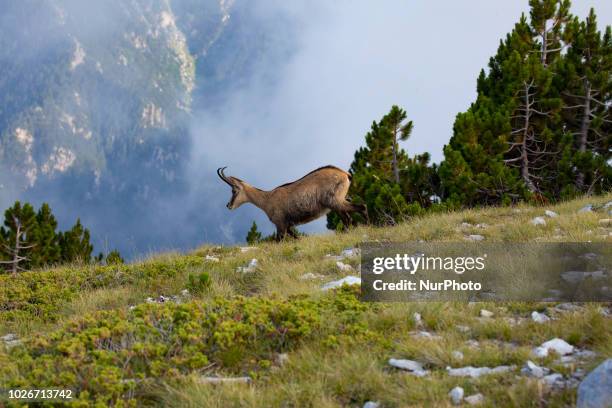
352 60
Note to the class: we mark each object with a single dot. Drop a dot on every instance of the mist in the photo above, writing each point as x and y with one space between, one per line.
285 87
349 62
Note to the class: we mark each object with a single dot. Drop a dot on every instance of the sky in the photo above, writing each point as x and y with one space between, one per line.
349 62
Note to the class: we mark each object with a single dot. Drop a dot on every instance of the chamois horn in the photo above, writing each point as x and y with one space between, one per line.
222 176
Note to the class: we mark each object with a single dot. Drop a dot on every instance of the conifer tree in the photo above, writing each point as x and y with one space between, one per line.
114 258
75 244
253 236
19 223
47 250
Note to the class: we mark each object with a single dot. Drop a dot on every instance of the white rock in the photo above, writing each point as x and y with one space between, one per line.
586 208
472 343
606 222
311 276
456 395
465 225
485 313
416 316
248 248
249 268
350 252
557 345
476 372
413 367
607 205
531 369
539 317
225 380
462 328
481 225
596 389
9 337
424 335
348 280
211 258
538 221
371 404
184 292
475 399
551 379
550 214
475 237
457 355
282 359
344 267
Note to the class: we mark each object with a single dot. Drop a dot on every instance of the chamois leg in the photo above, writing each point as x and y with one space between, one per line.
281 232
349 207
291 231
346 219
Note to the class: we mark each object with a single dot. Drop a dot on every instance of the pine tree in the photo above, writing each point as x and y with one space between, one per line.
395 122
114 258
19 223
253 236
586 76
75 244
47 250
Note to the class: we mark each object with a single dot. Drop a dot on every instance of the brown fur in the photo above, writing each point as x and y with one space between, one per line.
304 200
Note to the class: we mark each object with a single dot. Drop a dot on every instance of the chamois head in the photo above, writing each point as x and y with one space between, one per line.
239 196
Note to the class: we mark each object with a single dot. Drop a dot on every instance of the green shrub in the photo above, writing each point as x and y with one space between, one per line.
198 283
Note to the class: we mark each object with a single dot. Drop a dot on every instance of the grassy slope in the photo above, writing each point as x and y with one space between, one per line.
340 359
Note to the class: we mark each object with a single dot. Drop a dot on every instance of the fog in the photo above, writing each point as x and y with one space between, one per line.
349 62
317 74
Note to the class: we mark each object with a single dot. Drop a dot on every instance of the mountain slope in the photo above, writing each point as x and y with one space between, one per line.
300 346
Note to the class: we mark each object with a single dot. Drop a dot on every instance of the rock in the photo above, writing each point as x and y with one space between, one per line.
349 280
225 380
416 316
607 205
557 345
605 222
568 307
350 252
248 248
585 354
456 395
9 337
475 237
465 225
462 328
281 359
596 389
472 343
476 372
539 317
457 355
414 367
211 258
311 276
531 369
344 267
481 225
249 268
371 404
424 335
475 399
550 214
486 313
586 208
538 221
552 380
578 276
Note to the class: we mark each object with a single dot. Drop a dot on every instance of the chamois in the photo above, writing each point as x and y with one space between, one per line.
304 200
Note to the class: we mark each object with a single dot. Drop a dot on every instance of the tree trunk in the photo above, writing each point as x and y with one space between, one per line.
395 167
524 157
584 130
17 248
